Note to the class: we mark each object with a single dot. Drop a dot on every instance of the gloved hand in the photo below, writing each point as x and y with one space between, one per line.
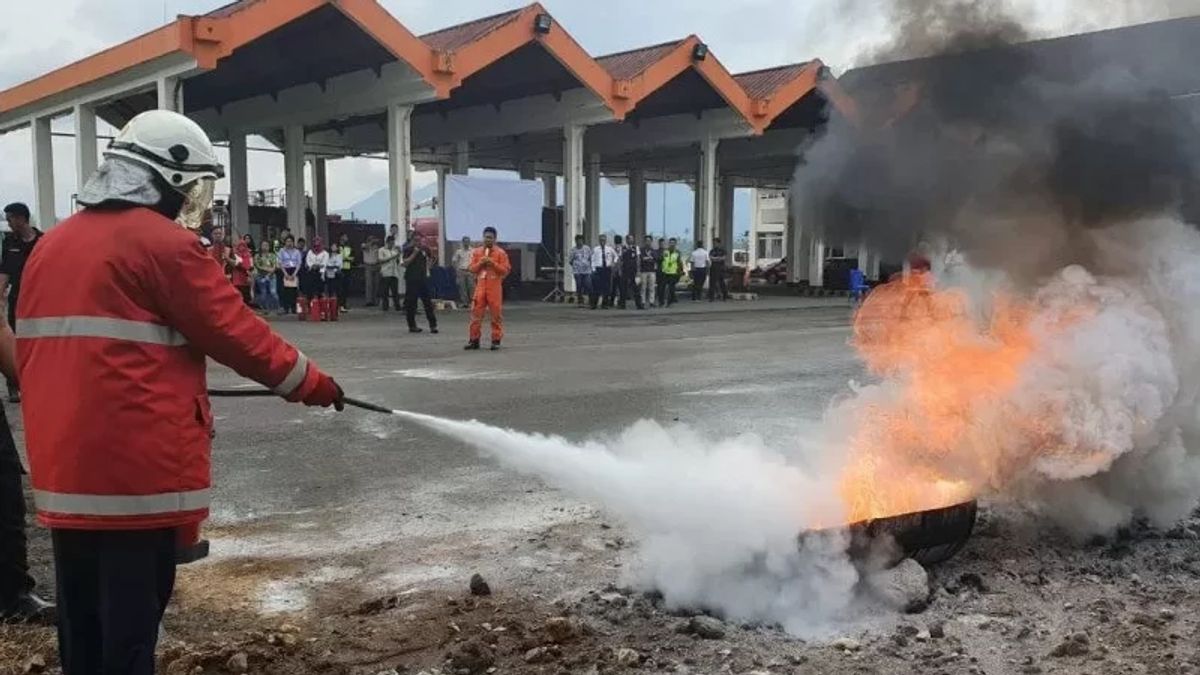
326 393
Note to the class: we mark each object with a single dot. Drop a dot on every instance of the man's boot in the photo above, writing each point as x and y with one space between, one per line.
28 607
473 345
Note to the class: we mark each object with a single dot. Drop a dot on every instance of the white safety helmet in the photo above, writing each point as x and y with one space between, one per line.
170 144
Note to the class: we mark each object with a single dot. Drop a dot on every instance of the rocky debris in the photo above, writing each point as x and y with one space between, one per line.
1077 644
704 627
470 658
846 644
542 654
378 605
937 630
972 581
562 629
628 657
904 587
479 586
923 635
238 663
34 664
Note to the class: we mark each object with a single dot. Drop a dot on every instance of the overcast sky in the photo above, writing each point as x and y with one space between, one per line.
37 36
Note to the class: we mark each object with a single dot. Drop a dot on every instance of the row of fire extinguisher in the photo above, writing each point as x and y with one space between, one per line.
317 309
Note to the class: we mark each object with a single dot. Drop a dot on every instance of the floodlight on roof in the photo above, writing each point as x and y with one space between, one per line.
542 23
700 52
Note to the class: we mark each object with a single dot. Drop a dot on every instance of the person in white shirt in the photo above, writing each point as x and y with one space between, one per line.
316 260
699 260
604 257
462 272
389 270
333 272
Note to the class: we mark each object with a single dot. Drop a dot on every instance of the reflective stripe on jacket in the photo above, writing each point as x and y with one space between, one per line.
117 421
671 262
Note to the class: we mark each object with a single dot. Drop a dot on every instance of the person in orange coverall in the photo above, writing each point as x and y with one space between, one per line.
489 264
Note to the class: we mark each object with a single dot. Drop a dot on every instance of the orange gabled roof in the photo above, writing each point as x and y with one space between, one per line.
215 35
774 90
463 50
640 72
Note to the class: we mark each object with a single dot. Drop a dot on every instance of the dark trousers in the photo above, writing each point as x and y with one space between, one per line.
113 587
287 296
601 279
698 277
629 288
391 292
666 292
415 289
14 558
12 323
343 287
614 288
583 284
716 283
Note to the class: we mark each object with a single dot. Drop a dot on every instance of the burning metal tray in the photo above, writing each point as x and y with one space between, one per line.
929 537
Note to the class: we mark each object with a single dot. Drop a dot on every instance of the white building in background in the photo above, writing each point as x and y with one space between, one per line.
768 226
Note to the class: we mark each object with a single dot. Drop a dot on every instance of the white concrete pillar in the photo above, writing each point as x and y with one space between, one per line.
798 237
868 260
462 158
725 219
706 191
293 179
239 184
591 222
637 204
399 138
443 246
320 186
43 173
170 94
86 159
572 194
549 190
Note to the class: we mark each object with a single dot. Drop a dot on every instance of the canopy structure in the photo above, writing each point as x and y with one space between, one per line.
324 79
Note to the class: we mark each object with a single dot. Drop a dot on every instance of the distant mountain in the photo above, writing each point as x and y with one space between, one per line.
677 199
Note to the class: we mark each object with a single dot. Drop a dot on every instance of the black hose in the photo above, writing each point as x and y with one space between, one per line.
256 393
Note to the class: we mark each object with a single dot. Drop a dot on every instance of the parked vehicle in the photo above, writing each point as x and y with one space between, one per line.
772 273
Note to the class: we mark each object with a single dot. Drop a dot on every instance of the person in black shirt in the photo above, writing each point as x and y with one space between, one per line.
415 259
717 257
18 244
629 263
18 602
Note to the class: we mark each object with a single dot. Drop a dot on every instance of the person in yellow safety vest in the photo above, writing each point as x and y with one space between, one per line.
343 289
672 267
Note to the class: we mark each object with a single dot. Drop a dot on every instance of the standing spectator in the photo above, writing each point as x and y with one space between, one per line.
394 232
672 268
858 286
316 259
416 283
630 263
490 265
18 244
345 254
717 258
604 258
614 287
273 240
699 263
660 279
333 275
648 258
265 265
462 273
219 249
389 270
581 268
370 251
289 274
243 267
281 241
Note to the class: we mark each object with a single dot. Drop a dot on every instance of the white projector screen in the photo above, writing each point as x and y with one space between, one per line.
513 207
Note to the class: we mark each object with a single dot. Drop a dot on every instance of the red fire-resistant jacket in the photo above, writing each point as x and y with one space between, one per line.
117 313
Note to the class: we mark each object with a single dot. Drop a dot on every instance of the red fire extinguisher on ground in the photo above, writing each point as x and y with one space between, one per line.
301 307
315 310
331 309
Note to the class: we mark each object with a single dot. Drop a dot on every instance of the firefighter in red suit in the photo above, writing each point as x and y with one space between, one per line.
112 370
489 264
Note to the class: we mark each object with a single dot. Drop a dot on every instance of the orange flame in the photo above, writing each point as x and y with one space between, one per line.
927 445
